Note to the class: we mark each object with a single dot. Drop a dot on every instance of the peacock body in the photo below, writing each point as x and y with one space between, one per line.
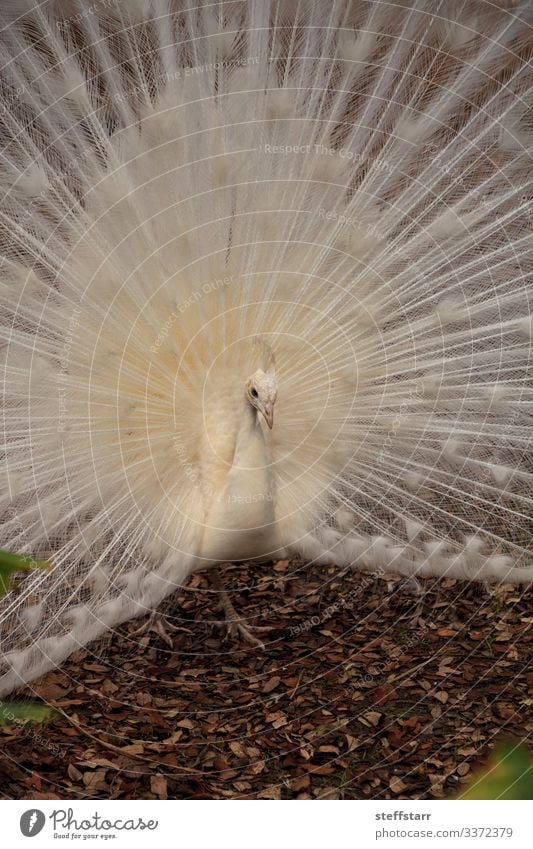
327 205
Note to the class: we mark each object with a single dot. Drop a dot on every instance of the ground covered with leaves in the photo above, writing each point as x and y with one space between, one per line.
365 690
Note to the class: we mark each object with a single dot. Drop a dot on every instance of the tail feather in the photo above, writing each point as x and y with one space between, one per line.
434 559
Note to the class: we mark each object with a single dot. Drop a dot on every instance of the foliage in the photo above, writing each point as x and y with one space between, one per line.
507 775
11 563
21 712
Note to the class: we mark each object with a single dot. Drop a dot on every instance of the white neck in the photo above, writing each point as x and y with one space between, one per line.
240 520
252 451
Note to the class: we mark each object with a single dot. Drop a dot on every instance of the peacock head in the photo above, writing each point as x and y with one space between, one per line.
261 392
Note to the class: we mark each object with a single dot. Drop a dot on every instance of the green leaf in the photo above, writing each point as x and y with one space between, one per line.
11 563
507 775
22 713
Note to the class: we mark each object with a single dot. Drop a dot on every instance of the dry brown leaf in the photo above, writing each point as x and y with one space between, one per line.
277 719
330 793
301 783
94 780
92 762
158 786
237 749
133 749
74 773
272 684
397 785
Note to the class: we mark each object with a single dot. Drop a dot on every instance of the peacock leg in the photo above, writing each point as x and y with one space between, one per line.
233 622
160 625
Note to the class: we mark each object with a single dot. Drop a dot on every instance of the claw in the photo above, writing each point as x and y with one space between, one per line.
159 625
234 628
233 623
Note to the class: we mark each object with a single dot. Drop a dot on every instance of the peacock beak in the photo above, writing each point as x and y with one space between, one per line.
268 413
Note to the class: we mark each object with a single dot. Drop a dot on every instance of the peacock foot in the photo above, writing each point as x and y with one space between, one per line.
235 627
233 622
160 625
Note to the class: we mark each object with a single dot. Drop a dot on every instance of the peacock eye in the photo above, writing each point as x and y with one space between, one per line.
253 393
